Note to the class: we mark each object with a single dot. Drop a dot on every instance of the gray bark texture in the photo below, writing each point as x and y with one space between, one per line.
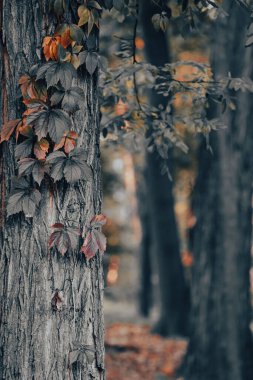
220 339
37 336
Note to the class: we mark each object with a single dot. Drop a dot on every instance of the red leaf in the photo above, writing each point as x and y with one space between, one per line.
95 240
58 225
64 238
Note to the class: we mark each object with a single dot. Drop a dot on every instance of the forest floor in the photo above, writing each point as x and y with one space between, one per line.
132 352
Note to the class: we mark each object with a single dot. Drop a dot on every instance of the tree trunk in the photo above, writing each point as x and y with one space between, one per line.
36 337
146 291
174 292
220 339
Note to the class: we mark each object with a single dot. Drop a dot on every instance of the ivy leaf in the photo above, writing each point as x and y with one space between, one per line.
40 149
53 121
57 160
32 166
91 62
93 20
23 198
94 4
76 167
58 124
64 238
82 56
71 99
84 15
98 221
68 142
57 72
24 149
39 120
73 167
57 96
7 129
81 352
76 33
95 240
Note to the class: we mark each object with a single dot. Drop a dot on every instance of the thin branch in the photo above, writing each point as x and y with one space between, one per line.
134 56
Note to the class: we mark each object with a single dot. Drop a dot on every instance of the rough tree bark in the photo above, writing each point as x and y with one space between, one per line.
36 339
174 292
220 339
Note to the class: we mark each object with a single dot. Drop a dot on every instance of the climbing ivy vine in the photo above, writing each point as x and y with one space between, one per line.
46 139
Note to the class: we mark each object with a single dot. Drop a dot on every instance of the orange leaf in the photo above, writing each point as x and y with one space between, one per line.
50 45
68 142
65 38
41 148
8 128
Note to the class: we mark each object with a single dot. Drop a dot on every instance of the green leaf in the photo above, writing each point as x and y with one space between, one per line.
64 238
91 62
23 198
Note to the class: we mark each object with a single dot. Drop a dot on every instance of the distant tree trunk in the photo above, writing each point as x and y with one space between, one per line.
35 337
174 292
146 272
220 339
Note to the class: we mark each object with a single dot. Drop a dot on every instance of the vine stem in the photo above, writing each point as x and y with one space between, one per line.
134 54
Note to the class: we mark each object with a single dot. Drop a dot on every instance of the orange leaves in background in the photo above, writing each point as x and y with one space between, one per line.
139 43
187 258
121 108
133 353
